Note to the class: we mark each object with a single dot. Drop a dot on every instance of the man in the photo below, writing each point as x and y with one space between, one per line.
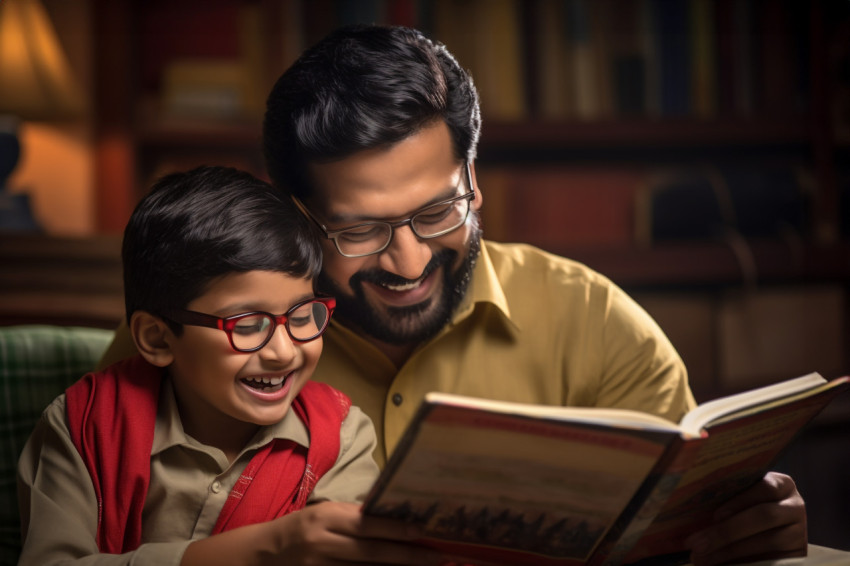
373 131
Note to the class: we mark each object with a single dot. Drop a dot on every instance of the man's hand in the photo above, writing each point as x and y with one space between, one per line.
766 521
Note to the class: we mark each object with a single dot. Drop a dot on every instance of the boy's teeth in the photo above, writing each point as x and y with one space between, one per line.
267 380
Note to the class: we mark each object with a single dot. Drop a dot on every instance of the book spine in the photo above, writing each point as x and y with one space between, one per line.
673 39
584 71
703 78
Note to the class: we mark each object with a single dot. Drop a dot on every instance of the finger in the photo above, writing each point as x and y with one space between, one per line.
772 487
388 529
749 523
784 542
347 519
375 551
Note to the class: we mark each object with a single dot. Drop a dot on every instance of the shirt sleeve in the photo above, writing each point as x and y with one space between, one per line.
642 370
58 505
355 470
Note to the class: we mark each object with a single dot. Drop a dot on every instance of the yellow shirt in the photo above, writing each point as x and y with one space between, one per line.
533 328
189 485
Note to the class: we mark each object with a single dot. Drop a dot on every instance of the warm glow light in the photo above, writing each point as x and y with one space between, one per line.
35 78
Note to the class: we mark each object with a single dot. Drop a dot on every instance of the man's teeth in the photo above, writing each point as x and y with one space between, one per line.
266 380
404 287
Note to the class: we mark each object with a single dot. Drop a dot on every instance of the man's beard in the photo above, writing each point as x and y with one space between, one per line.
411 324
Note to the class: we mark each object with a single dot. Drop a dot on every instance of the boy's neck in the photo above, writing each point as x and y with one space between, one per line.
227 434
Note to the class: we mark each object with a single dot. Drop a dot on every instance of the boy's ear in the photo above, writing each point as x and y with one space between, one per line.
152 337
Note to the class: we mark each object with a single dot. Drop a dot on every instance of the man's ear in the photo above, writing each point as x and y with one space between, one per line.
479 198
152 337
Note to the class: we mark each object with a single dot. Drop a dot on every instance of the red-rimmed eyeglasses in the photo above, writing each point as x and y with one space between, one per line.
250 331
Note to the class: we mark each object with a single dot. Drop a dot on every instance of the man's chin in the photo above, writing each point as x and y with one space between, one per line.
395 325
410 324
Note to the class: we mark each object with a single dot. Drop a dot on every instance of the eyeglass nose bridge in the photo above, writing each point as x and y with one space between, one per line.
280 321
398 224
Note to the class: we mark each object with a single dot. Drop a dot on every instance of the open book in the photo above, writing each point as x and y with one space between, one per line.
507 483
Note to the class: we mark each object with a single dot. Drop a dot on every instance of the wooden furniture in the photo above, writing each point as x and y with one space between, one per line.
62 281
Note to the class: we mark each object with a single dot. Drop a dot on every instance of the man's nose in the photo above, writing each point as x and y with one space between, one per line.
407 255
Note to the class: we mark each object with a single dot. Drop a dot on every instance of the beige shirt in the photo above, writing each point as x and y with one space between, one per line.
189 484
534 328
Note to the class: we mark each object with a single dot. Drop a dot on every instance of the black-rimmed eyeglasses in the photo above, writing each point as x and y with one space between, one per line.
250 331
372 237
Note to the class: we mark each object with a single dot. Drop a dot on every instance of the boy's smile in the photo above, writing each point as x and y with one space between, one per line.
225 395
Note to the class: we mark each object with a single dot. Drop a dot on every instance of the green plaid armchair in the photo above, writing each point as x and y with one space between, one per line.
37 363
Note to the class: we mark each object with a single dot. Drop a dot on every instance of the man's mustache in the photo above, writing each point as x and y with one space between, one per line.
383 278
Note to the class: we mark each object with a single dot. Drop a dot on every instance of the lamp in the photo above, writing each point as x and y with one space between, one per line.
36 84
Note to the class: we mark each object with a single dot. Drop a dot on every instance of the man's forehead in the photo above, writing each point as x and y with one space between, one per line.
388 182
350 203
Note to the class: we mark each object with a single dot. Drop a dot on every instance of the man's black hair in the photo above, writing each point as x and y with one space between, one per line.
364 87
194 227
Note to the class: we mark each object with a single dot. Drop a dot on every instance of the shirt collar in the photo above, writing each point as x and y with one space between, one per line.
168 431
486 289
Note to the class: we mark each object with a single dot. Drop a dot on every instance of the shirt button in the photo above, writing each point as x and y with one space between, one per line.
397 399
215 487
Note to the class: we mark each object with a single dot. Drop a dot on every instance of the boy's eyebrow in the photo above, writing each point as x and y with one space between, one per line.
250 307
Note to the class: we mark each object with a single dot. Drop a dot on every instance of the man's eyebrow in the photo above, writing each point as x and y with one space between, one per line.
358 218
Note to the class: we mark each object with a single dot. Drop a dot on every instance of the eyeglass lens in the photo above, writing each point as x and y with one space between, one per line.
431 222
303 323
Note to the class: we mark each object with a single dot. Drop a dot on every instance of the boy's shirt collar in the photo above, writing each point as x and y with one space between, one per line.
168 431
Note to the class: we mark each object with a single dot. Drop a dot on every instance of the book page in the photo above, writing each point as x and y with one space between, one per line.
732 457
701 416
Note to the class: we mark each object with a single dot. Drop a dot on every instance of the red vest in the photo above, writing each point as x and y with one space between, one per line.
111 417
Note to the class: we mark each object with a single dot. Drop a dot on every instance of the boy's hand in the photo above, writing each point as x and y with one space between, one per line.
766 521
337 533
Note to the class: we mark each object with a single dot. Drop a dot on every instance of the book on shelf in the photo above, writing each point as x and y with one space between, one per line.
672 34
703 38
628 56
557 206
205 88
550 49
486 37
495 482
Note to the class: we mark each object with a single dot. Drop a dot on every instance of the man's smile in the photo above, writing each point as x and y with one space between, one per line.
401 294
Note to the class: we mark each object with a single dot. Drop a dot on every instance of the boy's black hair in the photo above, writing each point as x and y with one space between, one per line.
194 227
364 87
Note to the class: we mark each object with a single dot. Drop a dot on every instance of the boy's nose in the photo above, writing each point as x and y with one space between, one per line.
407 255
280 347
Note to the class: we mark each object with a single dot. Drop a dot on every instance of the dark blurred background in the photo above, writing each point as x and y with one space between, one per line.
695 151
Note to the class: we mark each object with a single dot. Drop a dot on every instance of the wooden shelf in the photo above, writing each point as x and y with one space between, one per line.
663 132
55 280
700 264
167 132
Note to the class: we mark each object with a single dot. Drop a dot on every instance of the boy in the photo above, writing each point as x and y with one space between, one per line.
207 446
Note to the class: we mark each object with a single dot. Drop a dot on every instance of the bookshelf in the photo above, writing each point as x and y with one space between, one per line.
533 60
